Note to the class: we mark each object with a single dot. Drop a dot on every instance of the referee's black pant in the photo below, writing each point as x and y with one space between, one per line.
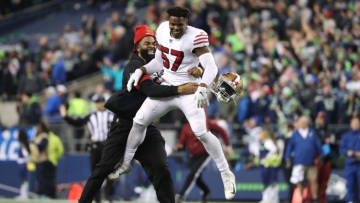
96 150
197 164
151 154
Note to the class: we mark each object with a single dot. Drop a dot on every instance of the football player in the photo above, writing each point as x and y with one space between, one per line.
181 47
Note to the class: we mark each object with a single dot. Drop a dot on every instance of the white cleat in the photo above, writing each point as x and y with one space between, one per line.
228 179
121 170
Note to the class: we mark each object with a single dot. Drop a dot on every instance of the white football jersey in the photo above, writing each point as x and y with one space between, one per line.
177 54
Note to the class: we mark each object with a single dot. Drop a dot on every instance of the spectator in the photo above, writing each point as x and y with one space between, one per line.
31 81
324 166
308 94
199 158
261 105
352 172
53 103
357 156
23 161
304 139
114 71
58 73
326 103
253 128
62 92
350 105
282 142
290 105
82 67
243 109
29 110
269 164
46 150
9 82
78 107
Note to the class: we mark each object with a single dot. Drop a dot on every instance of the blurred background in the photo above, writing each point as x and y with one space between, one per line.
296 57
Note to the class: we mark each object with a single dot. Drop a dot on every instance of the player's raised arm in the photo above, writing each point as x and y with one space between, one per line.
208 63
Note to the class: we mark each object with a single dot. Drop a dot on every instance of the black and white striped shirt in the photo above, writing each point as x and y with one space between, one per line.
97 122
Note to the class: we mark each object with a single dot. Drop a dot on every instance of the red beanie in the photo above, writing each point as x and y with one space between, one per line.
142 31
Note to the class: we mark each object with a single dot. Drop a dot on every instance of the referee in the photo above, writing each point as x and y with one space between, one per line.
199 158
98 124
151 153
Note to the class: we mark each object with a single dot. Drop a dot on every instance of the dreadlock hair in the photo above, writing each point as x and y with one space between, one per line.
178 11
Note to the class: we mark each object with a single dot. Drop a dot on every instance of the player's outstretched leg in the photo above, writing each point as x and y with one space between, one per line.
136 137
213 147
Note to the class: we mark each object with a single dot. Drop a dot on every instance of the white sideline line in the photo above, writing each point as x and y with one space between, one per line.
14 189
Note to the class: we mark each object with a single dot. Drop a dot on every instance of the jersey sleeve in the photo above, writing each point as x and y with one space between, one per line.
200 39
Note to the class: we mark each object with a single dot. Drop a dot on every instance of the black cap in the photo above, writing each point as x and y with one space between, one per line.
99 99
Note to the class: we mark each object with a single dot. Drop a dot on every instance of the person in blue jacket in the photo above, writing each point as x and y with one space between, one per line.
305 146
52 106
350 147
58 73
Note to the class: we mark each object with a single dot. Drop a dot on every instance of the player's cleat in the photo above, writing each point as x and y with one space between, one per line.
121 170
228 179
178 199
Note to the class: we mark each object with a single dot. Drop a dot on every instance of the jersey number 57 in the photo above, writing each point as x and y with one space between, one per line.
179 57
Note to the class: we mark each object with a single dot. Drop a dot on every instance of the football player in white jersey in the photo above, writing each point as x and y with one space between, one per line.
181 47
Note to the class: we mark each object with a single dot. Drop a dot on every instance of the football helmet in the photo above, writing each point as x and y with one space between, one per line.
228 87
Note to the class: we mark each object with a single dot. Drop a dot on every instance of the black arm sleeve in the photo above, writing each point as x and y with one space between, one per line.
77 121
152 89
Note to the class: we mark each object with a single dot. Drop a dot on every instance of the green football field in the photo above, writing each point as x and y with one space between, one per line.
66 201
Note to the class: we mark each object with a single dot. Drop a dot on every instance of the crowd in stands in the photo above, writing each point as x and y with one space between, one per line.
296 58
9 7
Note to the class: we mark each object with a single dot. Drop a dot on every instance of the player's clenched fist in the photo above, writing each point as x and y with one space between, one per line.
196 72
188 88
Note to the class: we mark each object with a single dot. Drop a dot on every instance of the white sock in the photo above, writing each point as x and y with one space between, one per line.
213 147
136 137
24 189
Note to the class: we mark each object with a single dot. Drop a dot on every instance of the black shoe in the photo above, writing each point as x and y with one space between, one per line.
205 197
